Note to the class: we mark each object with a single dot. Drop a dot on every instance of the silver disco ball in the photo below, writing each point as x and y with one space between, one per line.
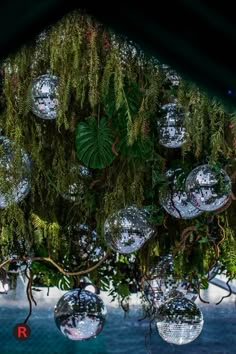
162 284
14 180
177 204
80 314
171 126
174 199
127 230
171 75
84 171
179 321
208 190
74 191
44 96
75 188
84 242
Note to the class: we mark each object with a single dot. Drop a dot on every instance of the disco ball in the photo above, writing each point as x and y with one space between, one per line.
171 126
84 242
84 171
75 188
80 314
14 180
177 204
208 190
171 75
44 96
74 191
127 230
162 284
174 199
179 321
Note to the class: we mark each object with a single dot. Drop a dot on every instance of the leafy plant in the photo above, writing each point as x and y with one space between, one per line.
94 143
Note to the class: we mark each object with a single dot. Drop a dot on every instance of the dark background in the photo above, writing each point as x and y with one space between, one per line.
196 37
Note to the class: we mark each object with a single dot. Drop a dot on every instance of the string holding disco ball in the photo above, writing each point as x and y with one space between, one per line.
127 230
84 242
80 314
162 284
208 189
175 200
15 179
44 96
179 321
172 133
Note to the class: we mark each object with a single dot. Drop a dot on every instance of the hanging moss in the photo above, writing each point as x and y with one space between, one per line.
103 75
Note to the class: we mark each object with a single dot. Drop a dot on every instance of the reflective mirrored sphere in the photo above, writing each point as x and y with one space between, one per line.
174 199
177 204
85 171
171 75
44 96
208 189
179 321
75 188
84 242
15 179
162 284
127 230
80 314
171 126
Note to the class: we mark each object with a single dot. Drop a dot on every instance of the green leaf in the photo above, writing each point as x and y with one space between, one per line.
94 143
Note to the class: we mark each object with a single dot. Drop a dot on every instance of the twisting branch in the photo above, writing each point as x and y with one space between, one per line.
233 175
217 246
30 279
165 221
28 293
226 206
199 294
232 196
50 260
229 294
113 148
98 180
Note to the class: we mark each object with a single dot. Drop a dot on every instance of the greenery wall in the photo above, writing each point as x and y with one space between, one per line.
110 97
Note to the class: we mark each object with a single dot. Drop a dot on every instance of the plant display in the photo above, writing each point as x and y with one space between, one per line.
80 96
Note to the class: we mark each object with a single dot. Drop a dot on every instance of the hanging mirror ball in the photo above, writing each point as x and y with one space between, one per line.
80 314
208 190
179 321
177 204
44 96
84 171
162 284
171 75
174 199
171 126
75 189
84 242
127 230
15 180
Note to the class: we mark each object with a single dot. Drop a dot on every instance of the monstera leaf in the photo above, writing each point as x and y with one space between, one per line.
94 143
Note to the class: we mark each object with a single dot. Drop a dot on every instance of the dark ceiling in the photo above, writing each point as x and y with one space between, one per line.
196 38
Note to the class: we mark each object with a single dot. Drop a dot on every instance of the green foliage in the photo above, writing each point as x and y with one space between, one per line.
44 275
111 82
94 143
